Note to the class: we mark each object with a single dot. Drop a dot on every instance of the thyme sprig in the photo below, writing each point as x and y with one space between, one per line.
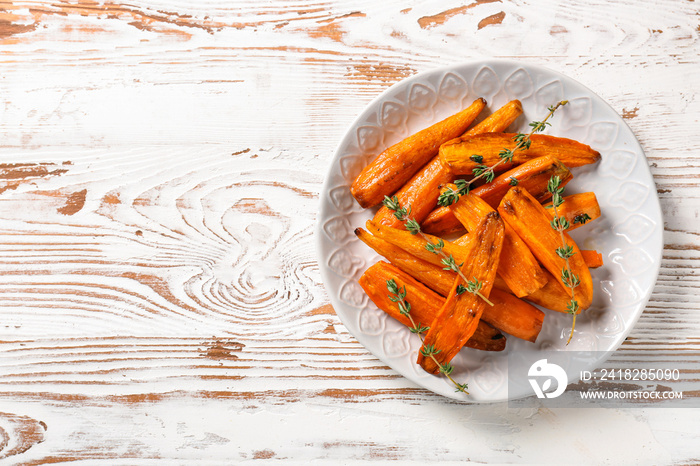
449 262
474 287
566 251
398 296
582 218
522 142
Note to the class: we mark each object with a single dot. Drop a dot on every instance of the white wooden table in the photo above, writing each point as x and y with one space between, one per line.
160 168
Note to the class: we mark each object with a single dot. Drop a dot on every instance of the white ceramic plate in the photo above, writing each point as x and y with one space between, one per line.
629 232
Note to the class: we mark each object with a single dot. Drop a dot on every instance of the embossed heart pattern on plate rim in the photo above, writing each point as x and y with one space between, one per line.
629 233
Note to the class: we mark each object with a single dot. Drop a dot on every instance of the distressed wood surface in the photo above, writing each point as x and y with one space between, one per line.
160 168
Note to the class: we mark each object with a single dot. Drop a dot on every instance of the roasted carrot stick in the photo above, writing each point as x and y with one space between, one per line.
533 175
459 316
441 222
416 244
578 209
517 266
433 276
456 156
551 296
440 280
499 120
593 259
532 223
396 165
498 315
424 304
421 192
486 338
514 316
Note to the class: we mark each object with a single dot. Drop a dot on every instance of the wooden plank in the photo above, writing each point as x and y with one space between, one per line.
235 426
160 168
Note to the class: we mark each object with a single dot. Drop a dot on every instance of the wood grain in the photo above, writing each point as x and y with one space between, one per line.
160 169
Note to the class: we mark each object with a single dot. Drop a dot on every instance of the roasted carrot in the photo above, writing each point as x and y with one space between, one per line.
533 175
513 316
499 284
593 259
578 209
457 156
487 338
498 314
416 244
517 266
396 165
459 316
421 192
441 222
424 304
531 222
499 120
551 296
433 276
